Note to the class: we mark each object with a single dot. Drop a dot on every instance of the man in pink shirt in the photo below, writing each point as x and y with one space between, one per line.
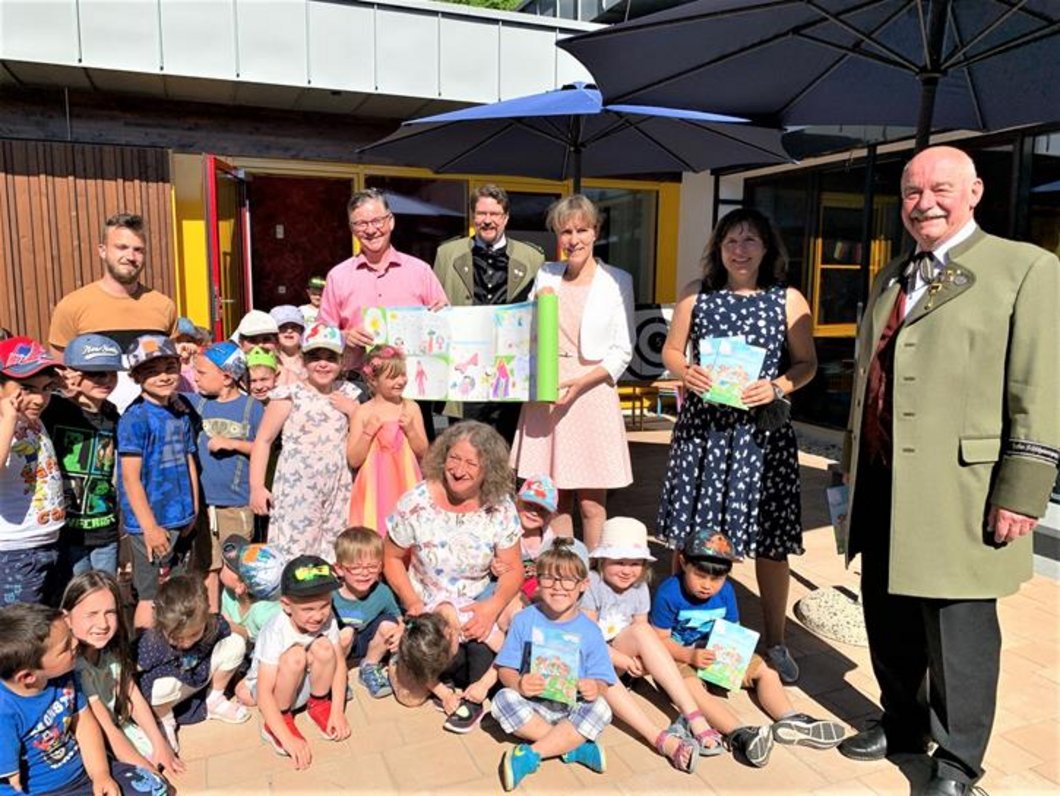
380 276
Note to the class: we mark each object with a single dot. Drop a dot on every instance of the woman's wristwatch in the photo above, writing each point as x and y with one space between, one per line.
778 393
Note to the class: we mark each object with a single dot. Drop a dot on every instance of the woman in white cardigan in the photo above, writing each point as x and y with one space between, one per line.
580 441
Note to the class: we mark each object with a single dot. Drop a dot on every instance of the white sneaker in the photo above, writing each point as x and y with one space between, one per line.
781 660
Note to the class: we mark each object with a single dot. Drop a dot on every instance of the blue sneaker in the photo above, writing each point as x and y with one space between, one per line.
517 763
374 677
590 754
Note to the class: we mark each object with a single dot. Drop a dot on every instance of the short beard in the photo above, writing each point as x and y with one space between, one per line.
121 278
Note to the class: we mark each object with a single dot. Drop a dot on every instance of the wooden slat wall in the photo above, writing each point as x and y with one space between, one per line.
54 198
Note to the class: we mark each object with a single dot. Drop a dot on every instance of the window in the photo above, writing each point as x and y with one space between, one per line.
627 234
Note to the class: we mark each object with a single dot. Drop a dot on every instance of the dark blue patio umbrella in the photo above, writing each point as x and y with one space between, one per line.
974 64
569 132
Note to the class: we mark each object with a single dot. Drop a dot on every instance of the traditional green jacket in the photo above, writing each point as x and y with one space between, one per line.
455 270
976 415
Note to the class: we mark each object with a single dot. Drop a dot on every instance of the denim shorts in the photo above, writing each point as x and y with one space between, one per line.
30 575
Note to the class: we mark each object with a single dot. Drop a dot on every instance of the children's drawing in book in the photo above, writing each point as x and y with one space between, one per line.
736 364
733 645
554 654
838 496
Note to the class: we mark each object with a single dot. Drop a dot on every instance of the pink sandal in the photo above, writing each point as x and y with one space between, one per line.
711 742
684 757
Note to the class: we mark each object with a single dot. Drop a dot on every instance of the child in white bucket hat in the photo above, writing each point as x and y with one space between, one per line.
619 601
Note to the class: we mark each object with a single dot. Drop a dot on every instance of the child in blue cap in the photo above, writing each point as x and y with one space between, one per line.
84 427
228 423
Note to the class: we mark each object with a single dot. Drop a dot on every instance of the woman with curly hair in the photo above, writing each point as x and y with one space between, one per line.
450 526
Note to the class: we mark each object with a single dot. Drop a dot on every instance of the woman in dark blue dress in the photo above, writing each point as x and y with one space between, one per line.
725 472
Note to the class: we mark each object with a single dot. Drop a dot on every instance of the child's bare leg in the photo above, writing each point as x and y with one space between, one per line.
717 712
213 591
144 615
377 646
642 640
626 708
346 637
322 664
290 673
770 692
495 640
557 740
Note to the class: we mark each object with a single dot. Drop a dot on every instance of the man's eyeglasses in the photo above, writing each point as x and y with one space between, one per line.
374 223
551 580
490 214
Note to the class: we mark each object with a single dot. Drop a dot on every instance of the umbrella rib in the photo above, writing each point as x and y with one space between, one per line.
866 39
687 166
967 74
954 56
445 165
1028 38
716 129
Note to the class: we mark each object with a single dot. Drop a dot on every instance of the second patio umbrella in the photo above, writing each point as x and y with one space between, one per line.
569 132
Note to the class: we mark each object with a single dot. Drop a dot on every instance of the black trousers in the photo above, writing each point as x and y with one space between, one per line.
949 648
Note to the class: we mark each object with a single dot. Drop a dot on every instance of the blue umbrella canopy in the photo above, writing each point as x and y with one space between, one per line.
975 64
569 132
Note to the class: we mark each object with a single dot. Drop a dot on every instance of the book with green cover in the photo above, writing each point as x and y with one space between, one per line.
733 364
555 655
733 646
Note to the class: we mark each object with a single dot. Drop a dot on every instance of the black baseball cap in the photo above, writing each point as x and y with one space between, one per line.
307 576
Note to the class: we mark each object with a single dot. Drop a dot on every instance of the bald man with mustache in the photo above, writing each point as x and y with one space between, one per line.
951 454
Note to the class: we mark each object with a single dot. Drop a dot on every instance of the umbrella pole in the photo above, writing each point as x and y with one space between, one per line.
576 171
931 74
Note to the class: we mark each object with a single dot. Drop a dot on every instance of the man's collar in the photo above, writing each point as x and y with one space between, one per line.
390 257
960 236
501 243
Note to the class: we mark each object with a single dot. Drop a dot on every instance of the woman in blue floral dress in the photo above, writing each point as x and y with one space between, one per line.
725 472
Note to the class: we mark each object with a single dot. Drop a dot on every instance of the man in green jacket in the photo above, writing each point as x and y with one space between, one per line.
951 454
487 268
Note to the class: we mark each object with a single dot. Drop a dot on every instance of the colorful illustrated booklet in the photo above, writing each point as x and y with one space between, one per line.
555 654
733 364
733 647
508 352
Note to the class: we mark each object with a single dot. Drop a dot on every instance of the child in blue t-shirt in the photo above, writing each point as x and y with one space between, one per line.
683 612
228 422
158 488
50 742
553 728
366 608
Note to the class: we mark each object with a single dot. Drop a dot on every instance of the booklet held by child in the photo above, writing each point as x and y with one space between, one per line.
733 646
733 364
554 654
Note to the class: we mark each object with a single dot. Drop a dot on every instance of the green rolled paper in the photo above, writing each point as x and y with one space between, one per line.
546 357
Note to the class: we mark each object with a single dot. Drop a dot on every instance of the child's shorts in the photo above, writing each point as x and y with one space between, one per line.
132 781
148 575
512 710
30 575
226 656
215 525
748 676
363 637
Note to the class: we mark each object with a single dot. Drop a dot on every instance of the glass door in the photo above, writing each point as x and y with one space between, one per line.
228 244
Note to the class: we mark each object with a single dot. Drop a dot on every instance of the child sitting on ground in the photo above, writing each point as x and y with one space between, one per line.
250 581
92 604
683 612
83 427
552 728
368 613
291 325
158 483
536 503
432 661
228 422
386 441
49 742
32 506
263 372
298 661
187 649
618 601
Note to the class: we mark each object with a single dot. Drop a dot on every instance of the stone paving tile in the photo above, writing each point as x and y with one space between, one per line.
398 750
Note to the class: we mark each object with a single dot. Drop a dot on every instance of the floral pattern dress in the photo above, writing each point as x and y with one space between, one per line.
313 482
451 551
724 473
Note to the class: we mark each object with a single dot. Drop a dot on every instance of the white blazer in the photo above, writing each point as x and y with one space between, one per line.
606 331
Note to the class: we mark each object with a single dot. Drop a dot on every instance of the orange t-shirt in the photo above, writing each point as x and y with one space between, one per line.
122 318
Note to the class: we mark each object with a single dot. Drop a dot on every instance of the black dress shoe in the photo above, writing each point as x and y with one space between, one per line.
945 787
873 744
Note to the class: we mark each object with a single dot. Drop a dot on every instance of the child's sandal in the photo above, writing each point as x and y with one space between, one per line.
711 742
684 757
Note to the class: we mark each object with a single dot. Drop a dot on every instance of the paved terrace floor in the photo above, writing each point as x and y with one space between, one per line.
398 750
